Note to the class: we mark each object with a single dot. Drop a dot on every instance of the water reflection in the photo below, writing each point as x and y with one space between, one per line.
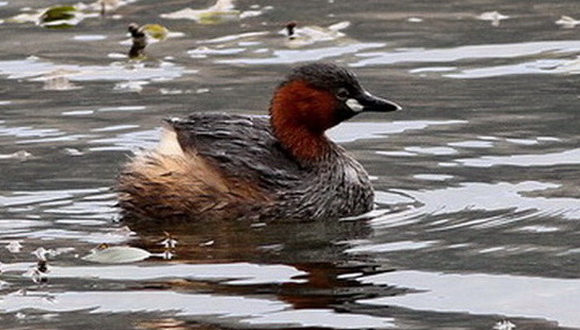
300 291
522 49
261 242
515 296
484 197
240 311
304 55
568 157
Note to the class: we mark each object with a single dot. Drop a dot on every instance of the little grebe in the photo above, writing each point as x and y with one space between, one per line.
222 166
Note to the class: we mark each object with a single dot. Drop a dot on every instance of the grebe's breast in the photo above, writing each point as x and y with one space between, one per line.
336 187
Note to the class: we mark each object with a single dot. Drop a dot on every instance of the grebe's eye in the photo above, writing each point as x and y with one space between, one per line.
342 94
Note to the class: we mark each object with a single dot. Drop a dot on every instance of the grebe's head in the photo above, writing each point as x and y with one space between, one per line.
315 97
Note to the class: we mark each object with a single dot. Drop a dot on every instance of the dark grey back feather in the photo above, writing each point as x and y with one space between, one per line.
245 147
242 146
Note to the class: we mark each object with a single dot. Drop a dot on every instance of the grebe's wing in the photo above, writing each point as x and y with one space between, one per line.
241 146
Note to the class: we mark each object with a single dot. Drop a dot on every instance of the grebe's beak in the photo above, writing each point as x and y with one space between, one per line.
368 102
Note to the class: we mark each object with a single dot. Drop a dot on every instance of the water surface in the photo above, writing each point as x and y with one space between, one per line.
478 198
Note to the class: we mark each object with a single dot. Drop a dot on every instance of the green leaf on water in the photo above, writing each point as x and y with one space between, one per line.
58 13
155 31
218 17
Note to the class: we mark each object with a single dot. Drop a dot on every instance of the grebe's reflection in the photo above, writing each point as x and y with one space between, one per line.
315 248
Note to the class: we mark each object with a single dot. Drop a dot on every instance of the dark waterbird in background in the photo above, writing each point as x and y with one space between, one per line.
139 39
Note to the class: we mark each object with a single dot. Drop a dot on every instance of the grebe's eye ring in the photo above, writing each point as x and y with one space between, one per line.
342 94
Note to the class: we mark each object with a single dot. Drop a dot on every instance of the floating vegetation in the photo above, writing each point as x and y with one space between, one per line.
156 31
221 11
59 17
67 16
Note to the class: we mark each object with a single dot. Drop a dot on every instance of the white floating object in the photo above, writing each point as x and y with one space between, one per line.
339 26
414 20
73 152
19 155
41 253
494 16
222 10
130 86
208 243
567 22
14 246
504 325
117 255
250 13
90 37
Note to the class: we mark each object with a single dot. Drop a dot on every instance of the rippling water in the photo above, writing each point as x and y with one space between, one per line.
478 181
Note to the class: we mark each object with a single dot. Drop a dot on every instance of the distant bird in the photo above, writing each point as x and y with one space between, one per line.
139 39
290 28
310 34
